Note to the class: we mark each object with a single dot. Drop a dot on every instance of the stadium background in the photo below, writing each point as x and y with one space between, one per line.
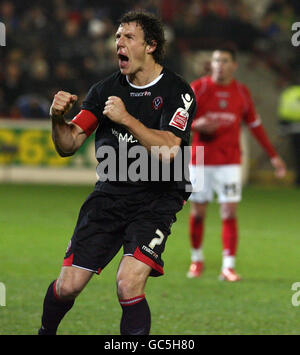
68 45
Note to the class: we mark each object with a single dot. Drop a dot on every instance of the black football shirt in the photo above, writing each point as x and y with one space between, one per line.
168 103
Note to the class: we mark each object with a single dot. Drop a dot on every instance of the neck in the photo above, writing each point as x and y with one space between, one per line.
145 75
221 81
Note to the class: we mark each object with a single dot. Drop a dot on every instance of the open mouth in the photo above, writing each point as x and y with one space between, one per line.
123 60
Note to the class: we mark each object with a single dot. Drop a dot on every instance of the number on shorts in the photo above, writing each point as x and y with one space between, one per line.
230 189
157 241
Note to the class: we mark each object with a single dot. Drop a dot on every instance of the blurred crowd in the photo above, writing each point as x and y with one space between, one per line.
69 44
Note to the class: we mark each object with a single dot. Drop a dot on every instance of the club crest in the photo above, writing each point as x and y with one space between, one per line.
157 103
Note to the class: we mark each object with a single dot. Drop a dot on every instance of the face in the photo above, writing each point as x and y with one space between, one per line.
223 67
132 50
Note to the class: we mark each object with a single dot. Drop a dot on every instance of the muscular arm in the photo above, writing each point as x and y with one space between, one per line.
115 110
67 137
153 138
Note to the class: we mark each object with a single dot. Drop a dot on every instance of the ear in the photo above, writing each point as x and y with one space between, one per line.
150 48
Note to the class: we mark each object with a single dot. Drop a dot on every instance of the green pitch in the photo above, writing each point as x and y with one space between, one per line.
36 223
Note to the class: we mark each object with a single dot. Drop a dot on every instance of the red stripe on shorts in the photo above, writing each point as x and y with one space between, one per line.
145 259
69 260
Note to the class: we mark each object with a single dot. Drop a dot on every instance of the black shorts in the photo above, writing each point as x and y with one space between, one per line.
140 223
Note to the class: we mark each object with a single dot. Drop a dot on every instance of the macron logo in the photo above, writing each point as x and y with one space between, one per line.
140 94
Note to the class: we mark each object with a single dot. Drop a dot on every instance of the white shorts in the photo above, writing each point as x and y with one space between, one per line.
224 180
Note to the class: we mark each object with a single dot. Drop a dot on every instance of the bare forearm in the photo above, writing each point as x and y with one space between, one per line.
151 137
115 110
62 136
67 137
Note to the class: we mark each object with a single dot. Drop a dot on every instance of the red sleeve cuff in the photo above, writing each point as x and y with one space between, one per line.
87 121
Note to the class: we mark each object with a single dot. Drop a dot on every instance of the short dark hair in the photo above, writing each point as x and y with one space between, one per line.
228 48
153 30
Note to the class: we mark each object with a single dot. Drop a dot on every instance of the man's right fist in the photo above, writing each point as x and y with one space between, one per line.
62 103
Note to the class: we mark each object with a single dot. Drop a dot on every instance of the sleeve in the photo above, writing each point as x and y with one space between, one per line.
251 118
261 136
199 88
92 101
91 113
193 85
254 122
178 112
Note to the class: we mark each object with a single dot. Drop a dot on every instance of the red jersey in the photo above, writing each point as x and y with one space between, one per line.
229 105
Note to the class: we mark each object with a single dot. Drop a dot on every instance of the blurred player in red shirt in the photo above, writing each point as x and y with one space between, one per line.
223 104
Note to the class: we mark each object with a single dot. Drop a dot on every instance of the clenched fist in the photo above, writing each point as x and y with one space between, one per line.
115 109
62 103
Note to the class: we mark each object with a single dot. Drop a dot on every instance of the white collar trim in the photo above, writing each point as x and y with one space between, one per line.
145 86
